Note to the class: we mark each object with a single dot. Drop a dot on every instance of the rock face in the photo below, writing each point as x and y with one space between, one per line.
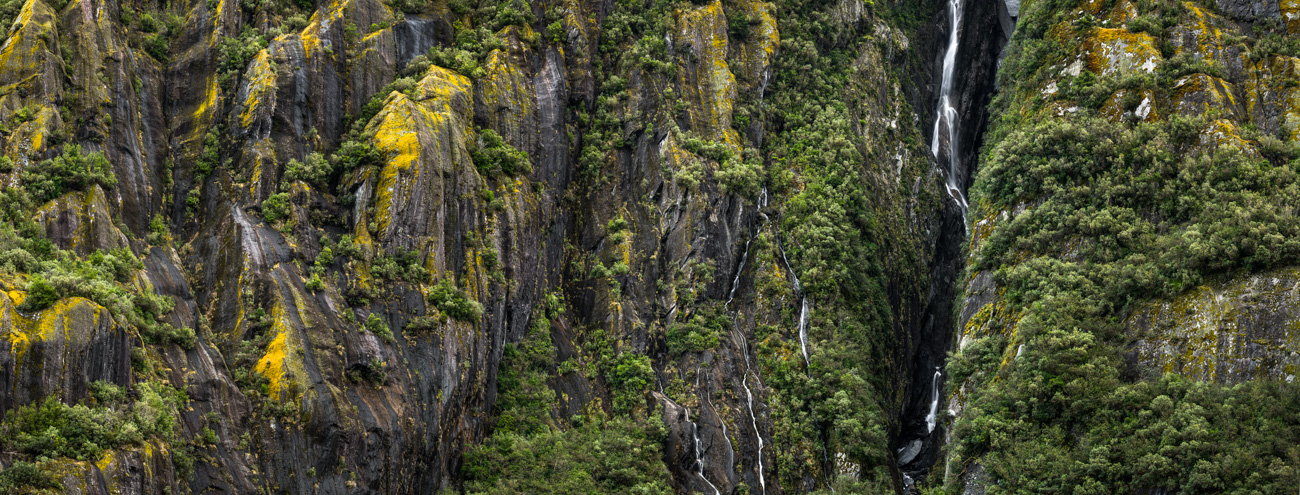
647 201
1230 326
327 231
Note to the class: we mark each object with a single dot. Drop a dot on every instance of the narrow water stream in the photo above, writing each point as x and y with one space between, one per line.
946 118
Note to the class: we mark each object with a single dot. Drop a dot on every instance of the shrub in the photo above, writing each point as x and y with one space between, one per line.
352 154
314 170
164 333
70 171
376 325
40 294
276 207
494 156
25 477
454 302
420 324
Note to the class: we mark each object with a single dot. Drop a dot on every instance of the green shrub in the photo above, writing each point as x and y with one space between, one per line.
454 302
234 54
40 294
276 207
25 477
352 154
163 333
158 232
314 283
494 156
376 325
314 170
107 393
70 171
421 324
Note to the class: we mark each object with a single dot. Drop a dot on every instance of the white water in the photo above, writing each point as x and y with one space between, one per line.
946 115
803 327
736 281
932 418
699 457
744 345
803 308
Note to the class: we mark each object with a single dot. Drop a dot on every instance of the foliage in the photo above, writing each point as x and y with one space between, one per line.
454 302
352 154
164 333
24 477
529 452
235 52
466 56
493 156
209 158
276 207
314 170
70 171
402 265
1108 216
376 325
600 456
54 429
698 333
835 239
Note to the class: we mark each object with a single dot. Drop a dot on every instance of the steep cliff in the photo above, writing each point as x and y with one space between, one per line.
649 246
1126 324
409 247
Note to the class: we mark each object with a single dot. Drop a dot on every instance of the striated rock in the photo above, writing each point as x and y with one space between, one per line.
1240 329
81 222
59 351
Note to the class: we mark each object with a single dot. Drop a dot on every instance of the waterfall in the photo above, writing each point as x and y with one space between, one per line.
946 115
699 453
695 432
803 308
736 281
744 345
931 418
803 328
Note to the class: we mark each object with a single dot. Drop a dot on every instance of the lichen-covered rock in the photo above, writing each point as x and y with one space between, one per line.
1241 329
59 351
81 222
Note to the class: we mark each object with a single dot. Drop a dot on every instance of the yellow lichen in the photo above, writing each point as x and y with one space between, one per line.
1120 52
261 89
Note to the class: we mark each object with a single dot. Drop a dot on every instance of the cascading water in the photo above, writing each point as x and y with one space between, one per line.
803 308
699 450
946 117
744 345
749 400
736 281
699 453
931 418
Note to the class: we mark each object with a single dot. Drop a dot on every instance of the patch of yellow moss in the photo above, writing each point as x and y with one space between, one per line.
1198 334
203 113
21 53
261 88
714 86
29 138
1199 93
1120 52
442 99
1291 14
17 296
272 364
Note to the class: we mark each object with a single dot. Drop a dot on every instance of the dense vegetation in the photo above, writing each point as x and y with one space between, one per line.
533 451
1119 212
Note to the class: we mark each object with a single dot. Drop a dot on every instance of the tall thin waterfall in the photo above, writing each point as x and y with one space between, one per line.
932 418
946 117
